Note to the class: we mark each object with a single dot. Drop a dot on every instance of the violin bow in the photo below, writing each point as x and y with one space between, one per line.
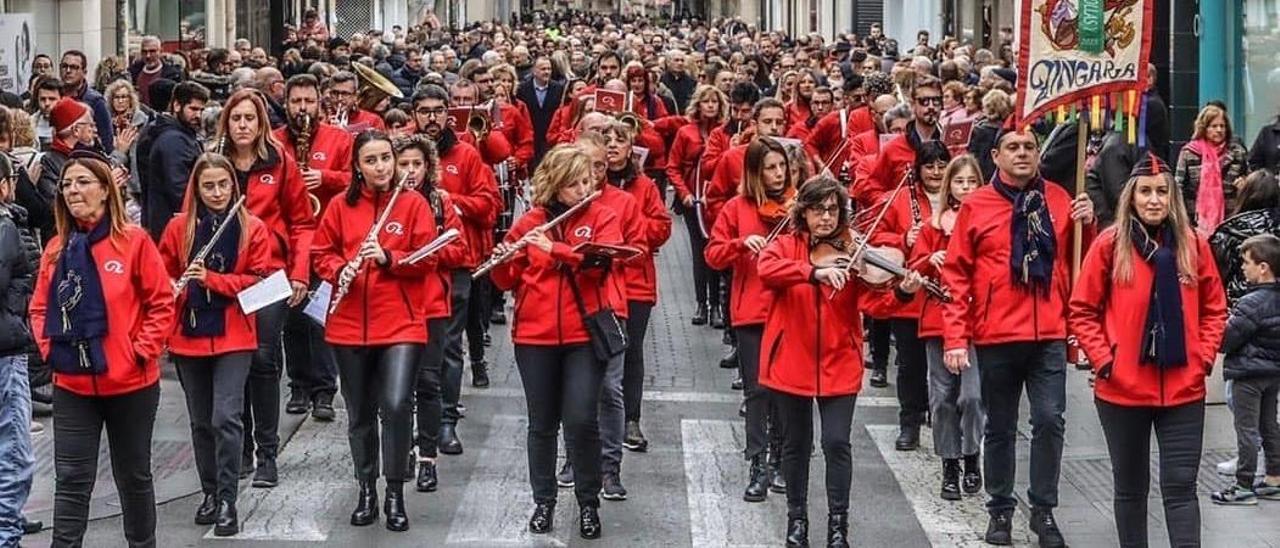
866 239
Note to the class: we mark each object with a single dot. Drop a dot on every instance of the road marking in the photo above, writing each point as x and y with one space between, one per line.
495 508
715 474
315 474
961 524
673 396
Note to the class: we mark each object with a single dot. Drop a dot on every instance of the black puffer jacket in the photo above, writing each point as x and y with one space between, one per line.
1252 340
17 278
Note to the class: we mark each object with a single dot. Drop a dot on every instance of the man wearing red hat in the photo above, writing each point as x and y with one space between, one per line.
73 128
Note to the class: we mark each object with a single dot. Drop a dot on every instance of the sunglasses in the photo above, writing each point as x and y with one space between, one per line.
935 100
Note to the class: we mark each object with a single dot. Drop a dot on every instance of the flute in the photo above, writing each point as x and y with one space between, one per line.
181 284
431 248
507 255
344 285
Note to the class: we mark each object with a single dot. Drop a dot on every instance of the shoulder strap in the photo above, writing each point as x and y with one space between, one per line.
577 293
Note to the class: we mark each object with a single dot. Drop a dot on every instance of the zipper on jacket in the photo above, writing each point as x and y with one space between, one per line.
559 307
405 297
986 313
817 364
773 349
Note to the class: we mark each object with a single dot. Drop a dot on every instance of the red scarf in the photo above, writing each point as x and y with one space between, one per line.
1210 200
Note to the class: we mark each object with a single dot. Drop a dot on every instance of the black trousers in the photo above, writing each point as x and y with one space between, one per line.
77 428
913 373
562 386
379 381
478 310
309 360
837 420
262 391
633 360
1179 436
761 410
214 387
878 333
451 385
706 282
426 391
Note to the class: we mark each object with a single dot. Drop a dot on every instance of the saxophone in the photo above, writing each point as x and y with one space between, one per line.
302 145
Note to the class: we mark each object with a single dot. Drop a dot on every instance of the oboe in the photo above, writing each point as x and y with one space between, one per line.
344 284
181 284
507 255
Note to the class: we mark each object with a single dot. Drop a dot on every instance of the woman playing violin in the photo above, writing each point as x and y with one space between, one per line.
813 337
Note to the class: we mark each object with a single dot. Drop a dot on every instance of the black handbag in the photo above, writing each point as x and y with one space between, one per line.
608 335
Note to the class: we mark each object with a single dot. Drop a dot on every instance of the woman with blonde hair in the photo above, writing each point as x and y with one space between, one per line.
708 109
557 288
127 119
1209 169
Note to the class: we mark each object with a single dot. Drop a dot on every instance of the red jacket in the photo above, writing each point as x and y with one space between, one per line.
800 131
931 240
726 180
439 301
826 138
749 301
631 222
392 295
561 121
330 154
684 160
518 129
883 173
797 112
986 307
812 344
717 144
1108 318
360 120
545 312
139 313
251 266
495 148
277 196
642 273
863 150
471 186
892 232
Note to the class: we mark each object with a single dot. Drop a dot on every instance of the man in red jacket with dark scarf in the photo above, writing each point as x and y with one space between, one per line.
468 181
1008 268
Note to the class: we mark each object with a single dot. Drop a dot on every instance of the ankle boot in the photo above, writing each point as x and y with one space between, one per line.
227 523
838 530
972 482
717 318
366 511
397 519
950 479
777 482
758 484
797 532
543 518
206 513
700 315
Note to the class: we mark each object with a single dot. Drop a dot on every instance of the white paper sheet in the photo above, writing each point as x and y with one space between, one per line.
270 290
318 304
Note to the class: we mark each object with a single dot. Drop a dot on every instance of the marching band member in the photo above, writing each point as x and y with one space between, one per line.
737 237
313 374
768 119
708 109
1007 269
469 183
377 366
269 177
493 145
100 313
416 156
829 140
213 341
742 103
814 346
799 108
641 274
559 369
1149 310
346 113
955 397
819 105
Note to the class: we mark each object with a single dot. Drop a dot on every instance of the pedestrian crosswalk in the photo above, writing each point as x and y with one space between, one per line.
715 474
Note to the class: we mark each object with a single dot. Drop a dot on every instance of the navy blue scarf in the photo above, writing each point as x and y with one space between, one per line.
76 323
1034 244
1163 341
204 314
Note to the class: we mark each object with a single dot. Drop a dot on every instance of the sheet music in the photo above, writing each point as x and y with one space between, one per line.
269 291
318 303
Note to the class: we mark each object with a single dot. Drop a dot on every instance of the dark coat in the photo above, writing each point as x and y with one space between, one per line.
1265 153
1252 340
172 153
541 115
682 86
17 278
1109 173
168 71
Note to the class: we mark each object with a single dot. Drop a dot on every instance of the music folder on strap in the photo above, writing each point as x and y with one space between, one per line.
601 254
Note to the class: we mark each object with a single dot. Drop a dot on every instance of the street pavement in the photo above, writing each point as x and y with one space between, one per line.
685 491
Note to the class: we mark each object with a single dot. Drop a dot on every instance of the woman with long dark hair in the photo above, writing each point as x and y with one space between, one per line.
101 312
213 341
378 365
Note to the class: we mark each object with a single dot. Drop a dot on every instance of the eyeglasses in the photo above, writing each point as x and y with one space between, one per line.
936 100
67 184
66 67
430 111
819 211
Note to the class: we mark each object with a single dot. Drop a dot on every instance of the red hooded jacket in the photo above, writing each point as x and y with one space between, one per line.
386 304
471 186
684 160
931 240
642 273
251 266
631 222
330 155
726 248
812 344
360 120
1108 317
892 232
517 126
139 313
726 179
439 303
545 311
826 139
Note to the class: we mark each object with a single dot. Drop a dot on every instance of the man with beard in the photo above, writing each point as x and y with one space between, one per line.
468 181
175 147
342 93
150 67
820 104
742 101
326 172
608 67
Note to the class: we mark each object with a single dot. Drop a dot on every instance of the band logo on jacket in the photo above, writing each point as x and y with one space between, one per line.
113 266
267 179
451 169
395 228
318 156
583 232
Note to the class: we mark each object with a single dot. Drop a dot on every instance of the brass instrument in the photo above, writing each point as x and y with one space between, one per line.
373 87
302 147
628 117
234 210
511 251
354 265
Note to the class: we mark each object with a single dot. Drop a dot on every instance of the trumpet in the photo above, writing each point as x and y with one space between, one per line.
354 265
483 118
302 145
431 248
200 256
499 258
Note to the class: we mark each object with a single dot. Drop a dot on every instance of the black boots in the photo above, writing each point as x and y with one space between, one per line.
449 442
298 403
480 374
265 475
777 483
700 316
543 518
797 532
393 506
838 531
950 479
879 378
758 484
366 511
908 438
730 360
323 408
717 318
1046 528
227 523
589 522
972 482
207 512
634 439
427 480
1000 528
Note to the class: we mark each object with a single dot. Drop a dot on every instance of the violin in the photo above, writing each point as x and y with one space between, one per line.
887 263
773 212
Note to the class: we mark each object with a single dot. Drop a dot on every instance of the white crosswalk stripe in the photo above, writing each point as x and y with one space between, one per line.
714 476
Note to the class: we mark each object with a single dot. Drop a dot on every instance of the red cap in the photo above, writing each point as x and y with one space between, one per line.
66 112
